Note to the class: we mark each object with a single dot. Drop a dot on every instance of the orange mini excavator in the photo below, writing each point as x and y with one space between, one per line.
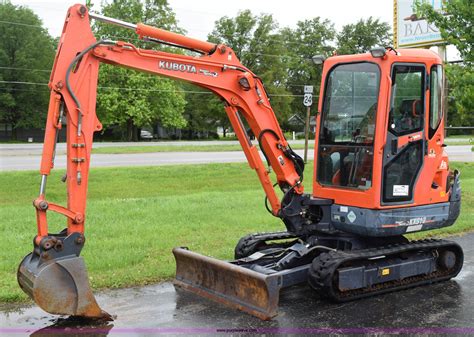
380 172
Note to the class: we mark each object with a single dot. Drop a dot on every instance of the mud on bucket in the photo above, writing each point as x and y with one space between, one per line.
58 283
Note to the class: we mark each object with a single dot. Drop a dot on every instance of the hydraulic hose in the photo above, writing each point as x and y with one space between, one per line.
68 84
290 154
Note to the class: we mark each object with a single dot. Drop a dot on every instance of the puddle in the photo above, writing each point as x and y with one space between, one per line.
160 309
132 308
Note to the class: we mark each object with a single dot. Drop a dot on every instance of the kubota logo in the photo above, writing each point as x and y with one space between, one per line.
177 66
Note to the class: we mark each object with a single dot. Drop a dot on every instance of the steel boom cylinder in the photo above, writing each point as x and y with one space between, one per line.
178 39
160 34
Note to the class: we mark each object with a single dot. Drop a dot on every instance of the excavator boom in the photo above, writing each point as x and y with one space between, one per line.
54 274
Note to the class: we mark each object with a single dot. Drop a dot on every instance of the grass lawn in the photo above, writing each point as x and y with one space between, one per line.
137 215
458 140
177 148
167 148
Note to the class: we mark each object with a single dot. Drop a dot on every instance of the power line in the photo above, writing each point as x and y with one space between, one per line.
159 90
21 24
196 29
30 90
137 39
208 13
49 71
26 69
20 82
138 89
243 53
268 39
156 90
119 77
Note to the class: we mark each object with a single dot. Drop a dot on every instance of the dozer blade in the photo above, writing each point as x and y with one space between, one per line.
227 283
59 286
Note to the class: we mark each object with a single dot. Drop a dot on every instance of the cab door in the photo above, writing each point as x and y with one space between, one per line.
405 143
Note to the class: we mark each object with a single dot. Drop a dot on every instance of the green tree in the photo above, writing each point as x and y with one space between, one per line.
311 37
26 55
204 111
461 94
455 23
132 99
260 47
456 26
362 36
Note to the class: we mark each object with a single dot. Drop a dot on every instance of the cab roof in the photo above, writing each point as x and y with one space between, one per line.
404 55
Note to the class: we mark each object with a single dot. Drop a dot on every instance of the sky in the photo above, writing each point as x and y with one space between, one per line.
197 17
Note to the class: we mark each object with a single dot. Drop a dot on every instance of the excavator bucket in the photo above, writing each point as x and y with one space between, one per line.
227 283
59 286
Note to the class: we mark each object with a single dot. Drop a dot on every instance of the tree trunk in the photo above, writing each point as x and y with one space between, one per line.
14 134
224 133
135 133
129 130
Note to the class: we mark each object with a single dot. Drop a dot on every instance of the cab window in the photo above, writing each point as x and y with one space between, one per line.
347 131
436 102
407 102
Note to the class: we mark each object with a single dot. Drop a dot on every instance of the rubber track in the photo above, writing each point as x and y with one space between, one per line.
322 273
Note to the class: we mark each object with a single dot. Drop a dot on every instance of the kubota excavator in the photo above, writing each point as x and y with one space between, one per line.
380 172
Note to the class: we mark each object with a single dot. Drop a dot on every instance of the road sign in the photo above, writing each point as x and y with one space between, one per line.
308 99
410 31
308 89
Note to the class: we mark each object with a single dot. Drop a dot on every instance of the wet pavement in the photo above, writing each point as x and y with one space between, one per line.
443 308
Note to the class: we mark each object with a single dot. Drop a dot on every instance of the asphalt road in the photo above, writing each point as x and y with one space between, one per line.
36 148
27 158
445 308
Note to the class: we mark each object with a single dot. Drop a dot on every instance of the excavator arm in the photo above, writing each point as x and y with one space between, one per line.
73 86
54 274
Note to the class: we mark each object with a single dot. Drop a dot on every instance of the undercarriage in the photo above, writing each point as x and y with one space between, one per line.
339 267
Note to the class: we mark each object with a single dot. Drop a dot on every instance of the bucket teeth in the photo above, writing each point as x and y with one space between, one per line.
227 283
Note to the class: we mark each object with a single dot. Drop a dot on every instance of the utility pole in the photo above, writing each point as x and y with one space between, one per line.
307 101
306 136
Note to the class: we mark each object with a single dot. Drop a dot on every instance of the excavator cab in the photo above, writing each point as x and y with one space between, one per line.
380 144
380 172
